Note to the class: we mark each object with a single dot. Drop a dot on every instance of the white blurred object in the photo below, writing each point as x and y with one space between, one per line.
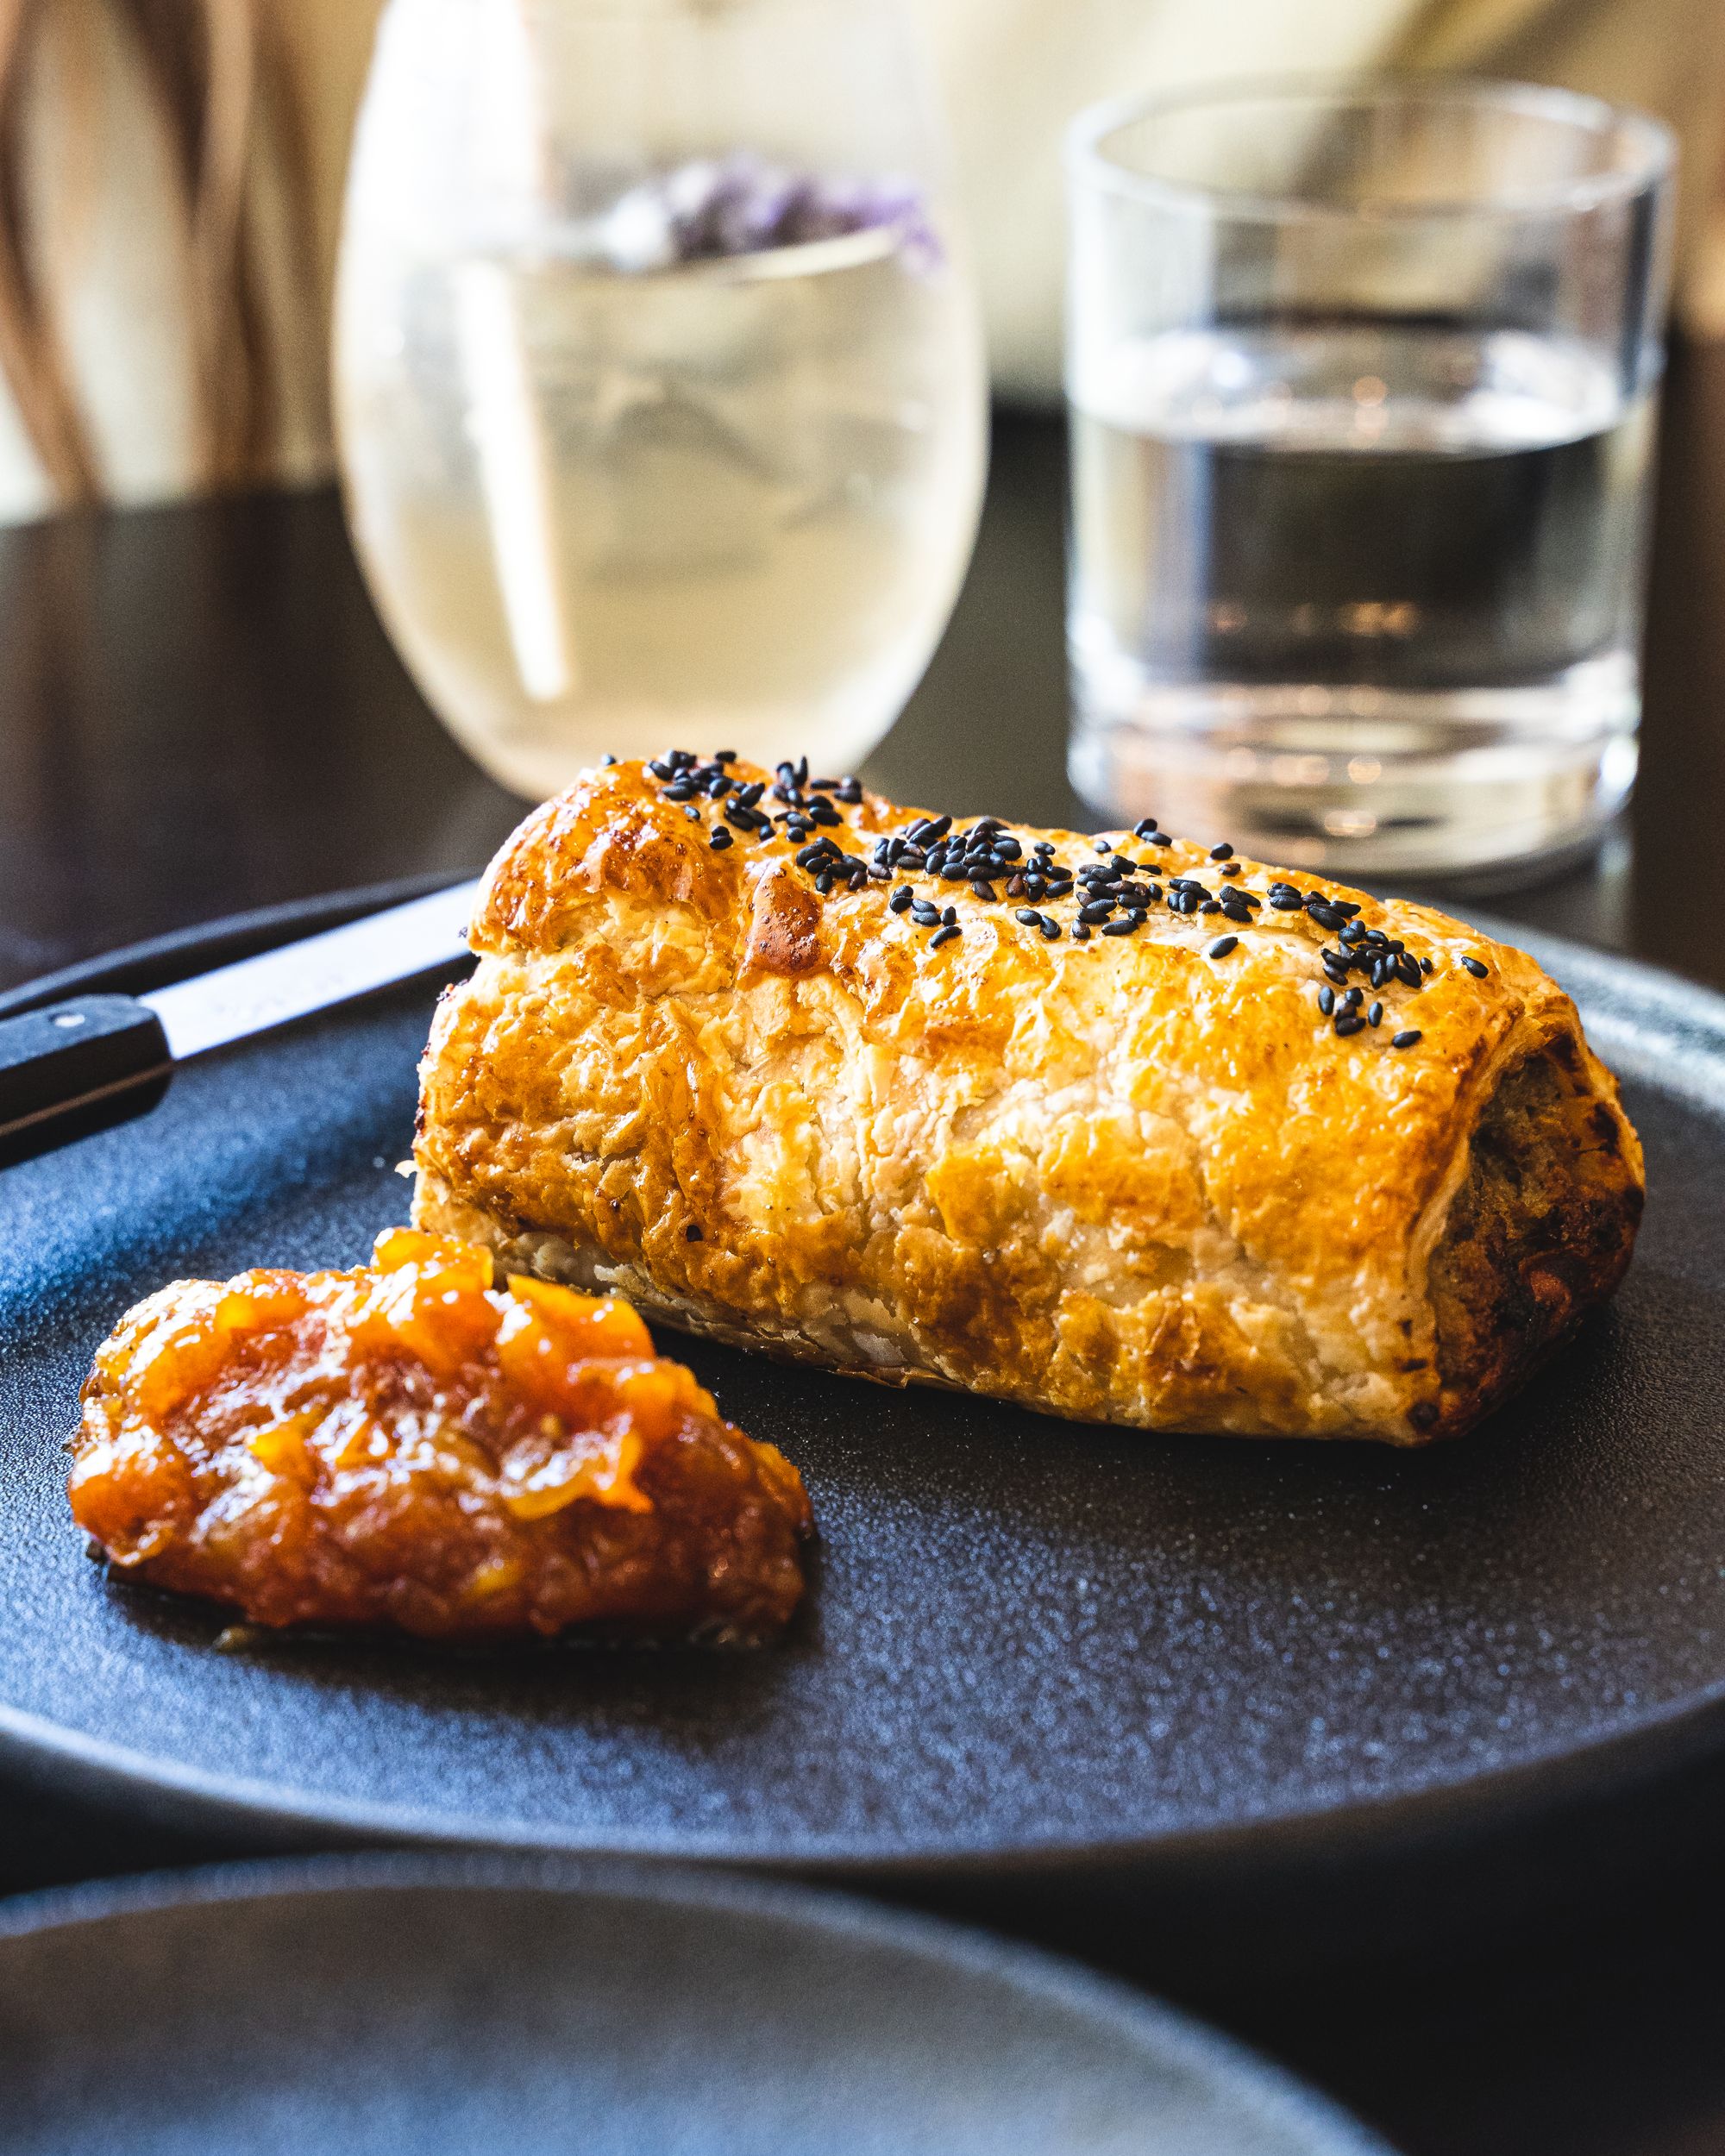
514 483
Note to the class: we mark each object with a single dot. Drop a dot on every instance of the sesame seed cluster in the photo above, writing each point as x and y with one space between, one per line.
1113 894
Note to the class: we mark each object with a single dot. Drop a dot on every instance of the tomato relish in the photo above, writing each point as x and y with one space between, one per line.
413 1444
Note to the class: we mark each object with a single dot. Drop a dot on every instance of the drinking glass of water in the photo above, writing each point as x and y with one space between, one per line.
1363 381
659 376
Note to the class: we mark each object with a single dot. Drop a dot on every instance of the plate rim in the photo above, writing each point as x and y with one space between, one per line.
1135 2018
167 1793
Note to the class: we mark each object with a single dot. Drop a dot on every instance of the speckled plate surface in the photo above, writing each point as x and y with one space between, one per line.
1031 1651
418 2007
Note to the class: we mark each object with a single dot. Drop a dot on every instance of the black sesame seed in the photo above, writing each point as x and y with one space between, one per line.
1474 967
945 935
1121 928
694 815
683 791
1352 932
848 791
607 761
984 890
1286 901
692 1233
1407 971
1406 1039
880 872
1353 999
724 755
1211 906
1426 966
1050 928
823 882
1081 934
923 914
1347 1022
949 915
1103 845
1375 1015
664 771
901 898
1098 910
1224 852
1327 999
719 839
1028 916
1143 827
1222 946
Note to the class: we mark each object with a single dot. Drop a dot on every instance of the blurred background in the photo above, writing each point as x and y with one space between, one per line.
171 178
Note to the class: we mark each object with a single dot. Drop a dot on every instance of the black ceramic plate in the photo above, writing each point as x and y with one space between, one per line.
420 2008
1030 1649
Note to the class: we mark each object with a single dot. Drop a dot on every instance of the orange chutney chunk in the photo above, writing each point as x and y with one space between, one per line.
413 1444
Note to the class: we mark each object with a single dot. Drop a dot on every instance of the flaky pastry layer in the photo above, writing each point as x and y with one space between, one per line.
1139 1177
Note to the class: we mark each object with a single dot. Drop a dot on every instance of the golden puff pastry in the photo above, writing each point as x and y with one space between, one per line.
1118 1129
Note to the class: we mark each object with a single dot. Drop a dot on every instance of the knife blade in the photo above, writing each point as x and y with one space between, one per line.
92 1060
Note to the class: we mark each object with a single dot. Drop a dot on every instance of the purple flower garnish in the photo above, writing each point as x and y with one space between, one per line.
716 209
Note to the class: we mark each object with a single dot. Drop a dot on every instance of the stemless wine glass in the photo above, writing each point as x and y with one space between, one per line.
659 376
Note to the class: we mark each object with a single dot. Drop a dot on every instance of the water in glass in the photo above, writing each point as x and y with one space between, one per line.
1357 572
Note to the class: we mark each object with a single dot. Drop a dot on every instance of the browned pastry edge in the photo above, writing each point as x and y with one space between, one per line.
1527 1248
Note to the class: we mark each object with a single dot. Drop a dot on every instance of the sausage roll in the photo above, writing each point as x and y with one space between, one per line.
1119 1128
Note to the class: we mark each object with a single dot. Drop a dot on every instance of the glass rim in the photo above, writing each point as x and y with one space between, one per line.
1089 163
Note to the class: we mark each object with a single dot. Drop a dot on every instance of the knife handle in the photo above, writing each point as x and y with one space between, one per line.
76 1066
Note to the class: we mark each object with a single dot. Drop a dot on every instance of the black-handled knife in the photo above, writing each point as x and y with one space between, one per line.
78 1066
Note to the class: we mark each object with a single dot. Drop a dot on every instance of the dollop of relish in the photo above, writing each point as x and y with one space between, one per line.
414 1443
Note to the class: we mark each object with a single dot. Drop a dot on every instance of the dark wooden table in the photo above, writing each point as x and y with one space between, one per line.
199 714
